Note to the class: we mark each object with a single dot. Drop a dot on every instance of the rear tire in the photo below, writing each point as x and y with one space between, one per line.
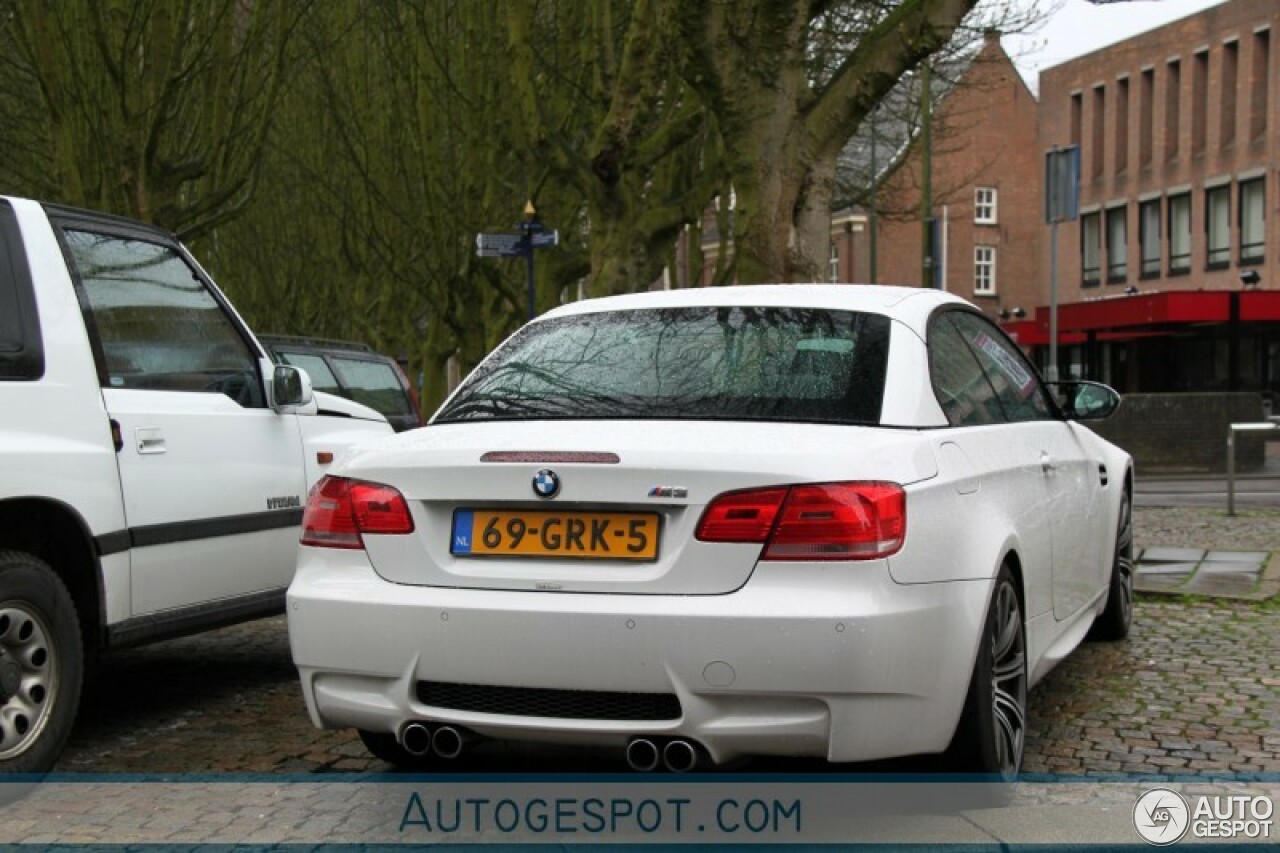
41 664
385 747
993 728
1114 621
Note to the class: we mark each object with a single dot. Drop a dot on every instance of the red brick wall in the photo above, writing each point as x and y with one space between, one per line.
985 136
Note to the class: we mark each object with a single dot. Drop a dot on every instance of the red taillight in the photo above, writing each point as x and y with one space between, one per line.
827 521
741 516
340 510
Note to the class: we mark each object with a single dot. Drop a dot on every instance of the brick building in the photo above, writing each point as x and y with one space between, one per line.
1168 280
986 192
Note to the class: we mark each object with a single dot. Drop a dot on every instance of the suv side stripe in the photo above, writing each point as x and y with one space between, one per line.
189 531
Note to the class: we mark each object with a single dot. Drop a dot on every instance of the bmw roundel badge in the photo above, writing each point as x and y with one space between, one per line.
546 484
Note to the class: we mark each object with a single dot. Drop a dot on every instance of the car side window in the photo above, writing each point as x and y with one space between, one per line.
962 388
159 326
1011 375
374 384
322 378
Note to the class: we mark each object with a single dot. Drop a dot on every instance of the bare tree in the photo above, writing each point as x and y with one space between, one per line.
155 109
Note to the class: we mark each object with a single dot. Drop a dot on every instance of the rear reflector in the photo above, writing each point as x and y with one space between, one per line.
825 521
340 510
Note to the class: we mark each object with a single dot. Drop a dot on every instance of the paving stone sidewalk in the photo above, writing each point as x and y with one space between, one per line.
1202 551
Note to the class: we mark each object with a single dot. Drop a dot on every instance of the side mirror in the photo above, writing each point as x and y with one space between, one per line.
1085 401
290 388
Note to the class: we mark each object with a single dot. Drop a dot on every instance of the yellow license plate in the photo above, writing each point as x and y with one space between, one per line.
551 533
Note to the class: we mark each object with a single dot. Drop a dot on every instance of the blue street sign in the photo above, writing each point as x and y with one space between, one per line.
499 245
546 239
1062 184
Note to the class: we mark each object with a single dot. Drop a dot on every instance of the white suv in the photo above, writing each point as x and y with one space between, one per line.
155 460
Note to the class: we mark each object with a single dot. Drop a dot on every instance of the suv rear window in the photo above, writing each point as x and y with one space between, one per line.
21 346
374 384
699 363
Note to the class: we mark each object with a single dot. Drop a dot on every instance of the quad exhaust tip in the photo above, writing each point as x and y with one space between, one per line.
679 756
642 755
416 739
448 742
676 755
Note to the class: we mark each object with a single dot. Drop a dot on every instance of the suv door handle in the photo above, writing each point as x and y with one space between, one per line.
149 440
1046 463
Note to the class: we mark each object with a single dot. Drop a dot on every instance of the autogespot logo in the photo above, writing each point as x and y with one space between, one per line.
1161 816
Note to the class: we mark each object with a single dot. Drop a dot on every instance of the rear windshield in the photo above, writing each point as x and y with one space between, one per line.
703 363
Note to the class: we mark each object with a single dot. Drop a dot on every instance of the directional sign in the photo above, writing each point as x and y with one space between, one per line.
499 245
546 239
533 235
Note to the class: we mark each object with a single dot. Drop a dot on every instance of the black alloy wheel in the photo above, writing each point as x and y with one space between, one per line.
1114 621
993 730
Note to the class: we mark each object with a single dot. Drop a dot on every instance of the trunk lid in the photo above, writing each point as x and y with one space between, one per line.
668 468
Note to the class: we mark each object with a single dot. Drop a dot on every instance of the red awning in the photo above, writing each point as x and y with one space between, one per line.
1123 318
1260 306
1147 309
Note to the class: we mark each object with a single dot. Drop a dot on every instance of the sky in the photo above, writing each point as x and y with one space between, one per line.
1076 27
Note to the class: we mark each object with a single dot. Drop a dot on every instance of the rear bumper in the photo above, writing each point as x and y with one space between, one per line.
827 660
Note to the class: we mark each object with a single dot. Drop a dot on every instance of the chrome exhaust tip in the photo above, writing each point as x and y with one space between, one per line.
416 739
642 755
680 756
448 742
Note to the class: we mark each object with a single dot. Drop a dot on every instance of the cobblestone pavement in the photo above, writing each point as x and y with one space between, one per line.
1196 688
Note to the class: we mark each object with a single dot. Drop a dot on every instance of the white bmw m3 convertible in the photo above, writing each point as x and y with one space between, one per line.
839 521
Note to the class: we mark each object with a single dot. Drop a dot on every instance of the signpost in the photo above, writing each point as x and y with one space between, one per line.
1061 204
533 235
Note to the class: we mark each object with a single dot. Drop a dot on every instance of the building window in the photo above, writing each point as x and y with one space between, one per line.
1172 101
1179 234
1149 234
1099 138
1090 249
1077 113
833 262
984 270
984 205
1146 115
1117 245
1122 125
1199 101
1253 198
1217 226
1227 93
1259 83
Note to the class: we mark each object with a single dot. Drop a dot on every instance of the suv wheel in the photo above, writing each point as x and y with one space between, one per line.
41 664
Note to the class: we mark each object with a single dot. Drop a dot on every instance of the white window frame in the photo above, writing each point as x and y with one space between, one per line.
984 205
1217 226
833 263
1253 224
984 270
1117 233
1091 248
1179 218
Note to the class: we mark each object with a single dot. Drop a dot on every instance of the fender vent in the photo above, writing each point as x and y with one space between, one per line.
543 702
